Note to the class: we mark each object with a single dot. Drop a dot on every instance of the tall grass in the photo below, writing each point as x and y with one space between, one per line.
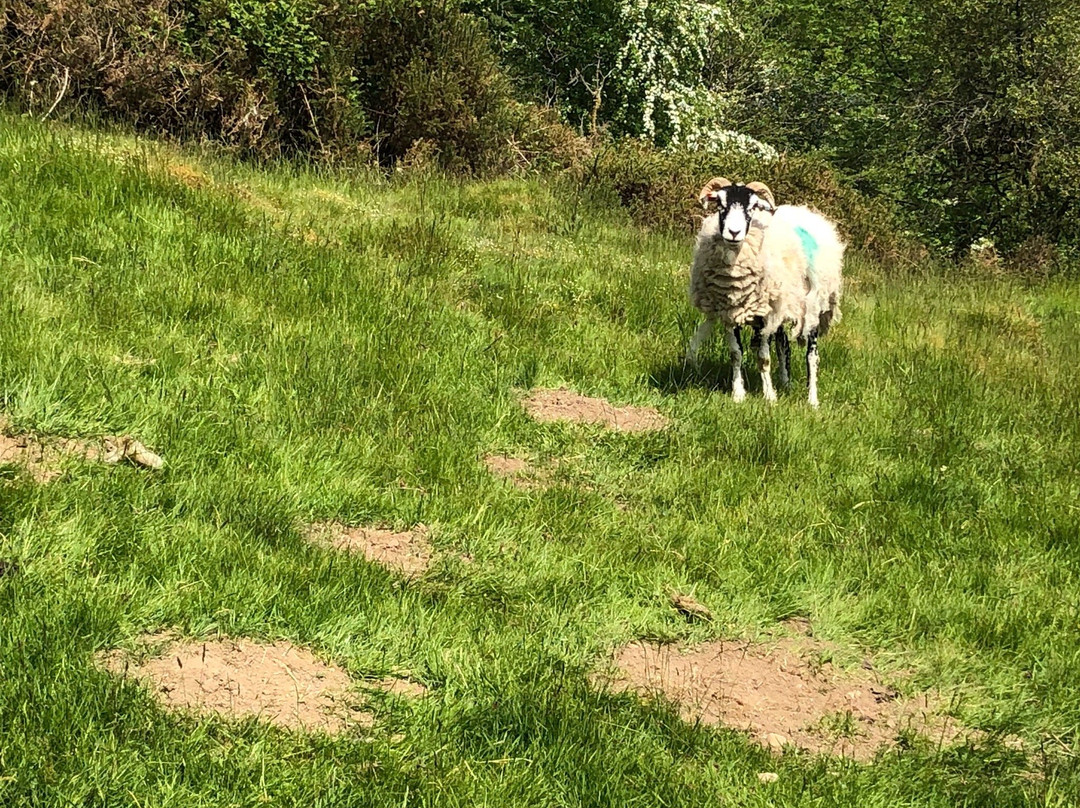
305 346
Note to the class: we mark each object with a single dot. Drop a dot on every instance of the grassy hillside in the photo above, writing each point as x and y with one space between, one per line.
302 347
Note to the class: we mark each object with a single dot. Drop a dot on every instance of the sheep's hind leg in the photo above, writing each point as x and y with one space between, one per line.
783 356
738 391
811 367
760 344
701 336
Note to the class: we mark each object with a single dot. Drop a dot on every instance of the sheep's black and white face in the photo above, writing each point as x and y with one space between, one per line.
737 205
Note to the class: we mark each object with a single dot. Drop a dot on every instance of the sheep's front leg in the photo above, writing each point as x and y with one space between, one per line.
738 391
701 336
760 344
783 357
811 367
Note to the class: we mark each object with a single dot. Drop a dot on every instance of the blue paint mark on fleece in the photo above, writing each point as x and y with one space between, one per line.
809 247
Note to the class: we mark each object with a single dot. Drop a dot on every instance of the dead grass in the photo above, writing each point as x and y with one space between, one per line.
187 174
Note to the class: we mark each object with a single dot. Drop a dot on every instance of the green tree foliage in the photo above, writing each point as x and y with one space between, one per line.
674 71
966 112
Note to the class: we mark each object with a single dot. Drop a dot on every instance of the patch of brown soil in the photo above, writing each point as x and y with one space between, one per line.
407 552
779 695
279 682
43 456
516 471
566 405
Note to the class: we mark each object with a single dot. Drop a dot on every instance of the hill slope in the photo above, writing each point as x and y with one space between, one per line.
305 348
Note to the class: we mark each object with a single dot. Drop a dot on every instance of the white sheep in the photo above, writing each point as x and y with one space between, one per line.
761 265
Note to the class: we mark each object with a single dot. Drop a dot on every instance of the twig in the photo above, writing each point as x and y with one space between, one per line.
59 95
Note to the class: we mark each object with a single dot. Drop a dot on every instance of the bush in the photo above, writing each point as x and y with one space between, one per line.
965 112
282 76
156 65
675 71
427 73
660 189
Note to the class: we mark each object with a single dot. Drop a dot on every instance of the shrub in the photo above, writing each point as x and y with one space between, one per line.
659 188
427 73
282 76
675 71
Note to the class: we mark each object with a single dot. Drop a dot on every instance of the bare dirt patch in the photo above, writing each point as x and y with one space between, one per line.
43 456
780 694
516 471
397 686
407 552
279 682
566 405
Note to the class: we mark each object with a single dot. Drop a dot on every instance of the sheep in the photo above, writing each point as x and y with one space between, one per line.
761 265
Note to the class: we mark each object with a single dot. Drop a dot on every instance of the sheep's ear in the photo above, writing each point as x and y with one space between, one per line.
765 197
710 192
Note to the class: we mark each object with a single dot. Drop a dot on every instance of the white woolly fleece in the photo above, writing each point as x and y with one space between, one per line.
770 275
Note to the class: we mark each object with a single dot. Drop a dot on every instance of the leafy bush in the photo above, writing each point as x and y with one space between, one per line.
660 187
674 71
282 76
427 73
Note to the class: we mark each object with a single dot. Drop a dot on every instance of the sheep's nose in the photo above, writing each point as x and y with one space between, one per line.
733 234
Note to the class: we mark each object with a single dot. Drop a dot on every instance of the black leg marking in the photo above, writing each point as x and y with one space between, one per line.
783 353
811 349
755 340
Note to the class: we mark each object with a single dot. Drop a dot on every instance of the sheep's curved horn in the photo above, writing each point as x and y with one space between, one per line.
762 190
711 187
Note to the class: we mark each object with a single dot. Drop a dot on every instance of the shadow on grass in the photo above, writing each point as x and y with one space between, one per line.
677 376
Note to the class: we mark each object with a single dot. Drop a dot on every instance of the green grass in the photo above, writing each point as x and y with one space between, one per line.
305 346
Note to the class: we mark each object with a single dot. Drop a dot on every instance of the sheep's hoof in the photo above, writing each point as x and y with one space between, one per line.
738 395
813 402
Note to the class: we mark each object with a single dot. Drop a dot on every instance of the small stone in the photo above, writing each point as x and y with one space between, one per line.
768 777
124 447
776 742
690 606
